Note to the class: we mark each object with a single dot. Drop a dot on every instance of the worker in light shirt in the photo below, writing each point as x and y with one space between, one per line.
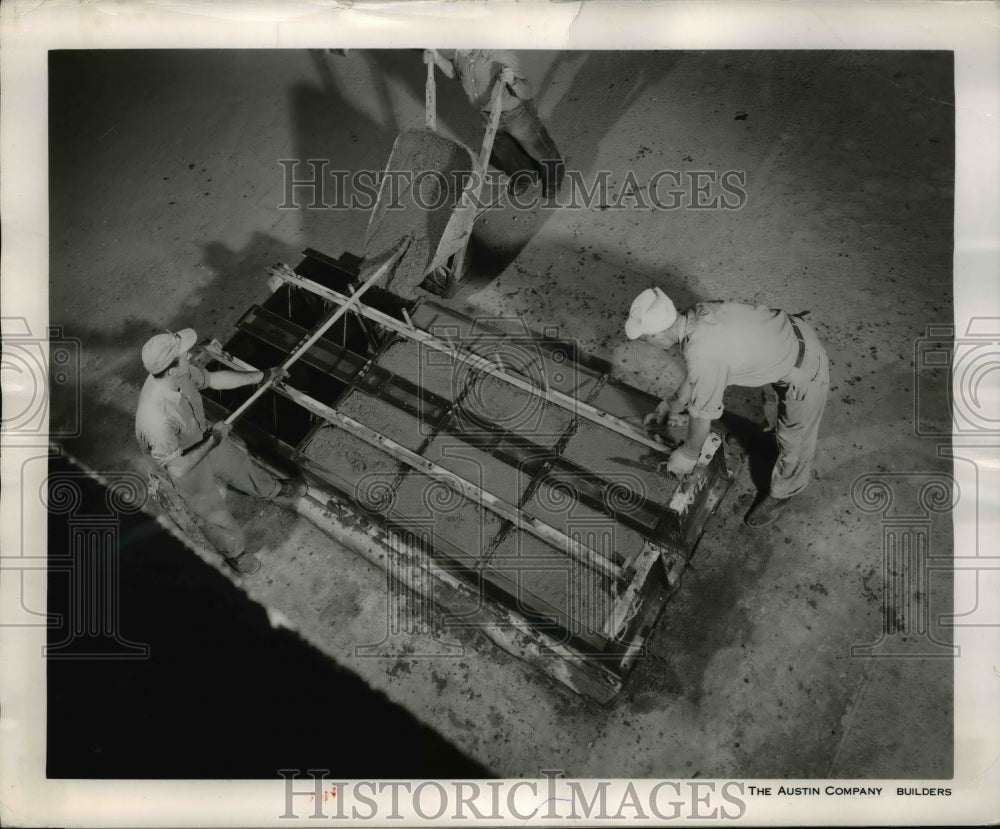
733 344
171 428
523 147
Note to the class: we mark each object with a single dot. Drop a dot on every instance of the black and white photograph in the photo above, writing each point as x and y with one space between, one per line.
547 417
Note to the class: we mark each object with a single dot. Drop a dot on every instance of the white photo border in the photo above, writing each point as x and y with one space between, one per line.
30 29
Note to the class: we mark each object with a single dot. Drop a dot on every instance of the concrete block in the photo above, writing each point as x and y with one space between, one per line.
621 460
492 474
577 597
428 368
515 410
384 418
557 507
455 525
350 462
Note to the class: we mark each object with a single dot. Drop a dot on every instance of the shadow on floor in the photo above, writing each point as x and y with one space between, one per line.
578 128
221 694
759 445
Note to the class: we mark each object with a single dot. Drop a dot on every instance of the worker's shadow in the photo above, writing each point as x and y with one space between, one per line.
101 417
340 151
242 273
329 126
577 127
750 432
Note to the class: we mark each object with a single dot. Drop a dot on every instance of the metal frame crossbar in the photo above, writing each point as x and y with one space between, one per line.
551 395
320 330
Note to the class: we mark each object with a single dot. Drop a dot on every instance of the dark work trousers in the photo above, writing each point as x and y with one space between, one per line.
798 420
198 488
523 144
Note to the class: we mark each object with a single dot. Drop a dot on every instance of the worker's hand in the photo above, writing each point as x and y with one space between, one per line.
657 416
220 430
274 375
652 426
663 414
428 56
507 76
680 462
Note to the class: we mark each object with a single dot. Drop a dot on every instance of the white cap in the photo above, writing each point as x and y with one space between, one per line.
652 311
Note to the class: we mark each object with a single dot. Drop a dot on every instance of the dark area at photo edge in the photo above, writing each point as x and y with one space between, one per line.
222 694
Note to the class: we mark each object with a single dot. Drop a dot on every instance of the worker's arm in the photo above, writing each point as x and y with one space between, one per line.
227 379
684 458
672 407
698 429
193 455
706 381
445 65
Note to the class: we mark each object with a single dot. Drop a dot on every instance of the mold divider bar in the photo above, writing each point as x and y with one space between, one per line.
547 533
557 398
302 347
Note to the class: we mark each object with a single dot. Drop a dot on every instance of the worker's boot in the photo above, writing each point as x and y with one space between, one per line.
246 564
765 511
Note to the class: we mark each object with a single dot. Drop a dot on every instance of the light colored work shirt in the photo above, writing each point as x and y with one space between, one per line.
478 70
733 344
168 422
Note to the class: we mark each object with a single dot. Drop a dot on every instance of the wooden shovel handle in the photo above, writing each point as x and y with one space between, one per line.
430 96
491 127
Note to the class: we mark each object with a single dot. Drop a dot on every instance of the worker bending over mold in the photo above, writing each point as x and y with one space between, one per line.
171 428
731 343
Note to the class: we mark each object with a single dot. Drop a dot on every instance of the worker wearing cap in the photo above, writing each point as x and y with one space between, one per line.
171 427
733 344
521 142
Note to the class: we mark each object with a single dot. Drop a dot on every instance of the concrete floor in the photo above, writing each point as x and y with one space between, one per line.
165 192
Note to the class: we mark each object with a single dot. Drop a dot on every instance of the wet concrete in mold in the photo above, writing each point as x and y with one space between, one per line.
620 460
495 476
497 401
557 507
459 527
578 598
556 364
433 371
384 418
355 465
